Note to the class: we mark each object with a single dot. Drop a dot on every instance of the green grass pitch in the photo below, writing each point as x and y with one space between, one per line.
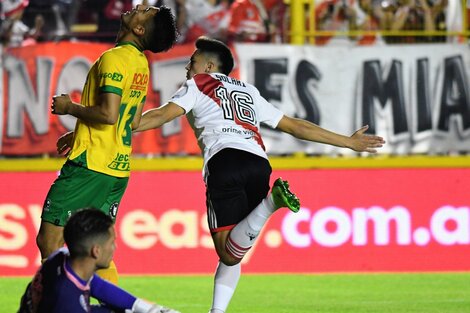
331 293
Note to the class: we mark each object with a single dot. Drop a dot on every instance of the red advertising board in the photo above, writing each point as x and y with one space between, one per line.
352 220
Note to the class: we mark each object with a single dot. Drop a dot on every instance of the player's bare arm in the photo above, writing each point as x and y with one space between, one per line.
358 141
137 116
64 143
106 110
155 118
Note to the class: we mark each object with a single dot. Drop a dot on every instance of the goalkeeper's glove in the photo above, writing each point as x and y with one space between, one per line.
161 309
142 306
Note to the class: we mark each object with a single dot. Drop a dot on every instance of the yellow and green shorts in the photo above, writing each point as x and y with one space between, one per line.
76 188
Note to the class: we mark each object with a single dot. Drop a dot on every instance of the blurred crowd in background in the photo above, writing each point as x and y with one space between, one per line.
24 22
393 21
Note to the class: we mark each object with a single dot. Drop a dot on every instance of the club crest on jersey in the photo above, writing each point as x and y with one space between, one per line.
113 209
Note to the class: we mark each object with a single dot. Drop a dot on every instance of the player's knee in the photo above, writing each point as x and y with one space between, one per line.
47 242
43 244
40 240
229 260
225 256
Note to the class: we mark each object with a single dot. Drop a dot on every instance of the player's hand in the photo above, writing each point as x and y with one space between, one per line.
143 306
64 143
362 142
161 309
61 104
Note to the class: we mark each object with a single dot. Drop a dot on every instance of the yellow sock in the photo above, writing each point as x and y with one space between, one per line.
110 273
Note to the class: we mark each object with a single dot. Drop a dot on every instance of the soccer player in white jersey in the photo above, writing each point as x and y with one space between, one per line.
226 114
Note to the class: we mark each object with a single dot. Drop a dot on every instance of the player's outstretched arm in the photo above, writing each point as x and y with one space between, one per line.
358 141
118 298
155 118
106 110
142 306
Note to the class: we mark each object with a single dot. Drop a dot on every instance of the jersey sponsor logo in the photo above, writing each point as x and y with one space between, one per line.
114 76
120 163
139 82
135 94
140 79
246 133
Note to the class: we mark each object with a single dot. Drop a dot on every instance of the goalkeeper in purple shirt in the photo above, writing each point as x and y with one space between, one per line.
67 280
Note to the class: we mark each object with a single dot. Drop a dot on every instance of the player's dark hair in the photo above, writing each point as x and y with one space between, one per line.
161 32
85 228
222 51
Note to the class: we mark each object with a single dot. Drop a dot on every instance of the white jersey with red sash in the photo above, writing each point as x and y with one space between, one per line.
226 113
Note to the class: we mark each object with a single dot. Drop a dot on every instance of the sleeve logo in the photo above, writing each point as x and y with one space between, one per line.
114 76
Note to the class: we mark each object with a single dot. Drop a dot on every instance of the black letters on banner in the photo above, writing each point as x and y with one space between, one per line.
424 115
374 88
304 73
455 98
263 70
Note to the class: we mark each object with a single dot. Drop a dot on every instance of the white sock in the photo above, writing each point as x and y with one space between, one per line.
225 281
244 234
258 217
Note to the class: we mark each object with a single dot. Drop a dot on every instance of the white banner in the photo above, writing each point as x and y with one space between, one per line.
416 96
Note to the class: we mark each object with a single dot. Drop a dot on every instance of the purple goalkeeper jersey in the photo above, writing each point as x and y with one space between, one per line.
57 289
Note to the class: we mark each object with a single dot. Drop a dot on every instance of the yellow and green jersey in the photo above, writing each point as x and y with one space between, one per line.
122 70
